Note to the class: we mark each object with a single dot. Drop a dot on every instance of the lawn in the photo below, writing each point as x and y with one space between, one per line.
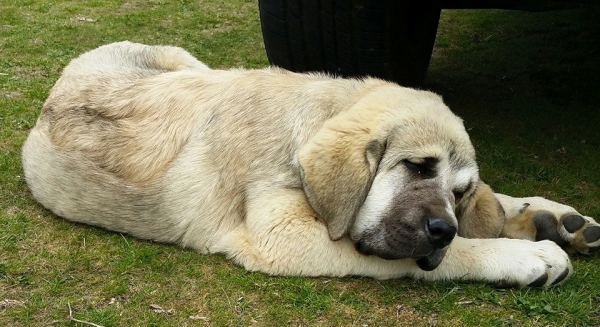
525 83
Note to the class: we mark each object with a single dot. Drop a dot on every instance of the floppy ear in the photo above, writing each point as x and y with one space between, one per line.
337 169
480 214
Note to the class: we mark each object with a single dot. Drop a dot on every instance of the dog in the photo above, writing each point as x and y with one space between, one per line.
286 173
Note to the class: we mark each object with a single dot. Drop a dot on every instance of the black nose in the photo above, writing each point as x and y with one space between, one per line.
439 232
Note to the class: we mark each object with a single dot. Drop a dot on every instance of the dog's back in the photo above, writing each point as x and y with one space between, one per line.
149 141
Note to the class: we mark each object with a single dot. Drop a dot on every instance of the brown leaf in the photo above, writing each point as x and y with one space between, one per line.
158 309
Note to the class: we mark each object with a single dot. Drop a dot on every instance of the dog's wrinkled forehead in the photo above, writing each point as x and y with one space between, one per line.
432 139
419 124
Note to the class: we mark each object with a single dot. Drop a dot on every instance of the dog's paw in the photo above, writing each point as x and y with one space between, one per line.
503 262
538 219
533 264
581 233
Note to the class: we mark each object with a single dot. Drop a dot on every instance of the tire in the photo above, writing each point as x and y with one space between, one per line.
389 39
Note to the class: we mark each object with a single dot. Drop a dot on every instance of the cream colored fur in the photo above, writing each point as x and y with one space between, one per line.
269 167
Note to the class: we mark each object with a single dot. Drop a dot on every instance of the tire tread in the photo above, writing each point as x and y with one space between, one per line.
349 37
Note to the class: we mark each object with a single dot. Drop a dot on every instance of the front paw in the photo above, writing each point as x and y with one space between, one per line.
513 263
582 233
540 264
538 219
573 232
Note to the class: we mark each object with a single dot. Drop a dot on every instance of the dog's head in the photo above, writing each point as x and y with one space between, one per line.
390 172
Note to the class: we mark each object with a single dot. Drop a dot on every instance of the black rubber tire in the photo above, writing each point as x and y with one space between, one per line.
389 39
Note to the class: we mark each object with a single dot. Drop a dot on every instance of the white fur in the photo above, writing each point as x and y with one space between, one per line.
151 142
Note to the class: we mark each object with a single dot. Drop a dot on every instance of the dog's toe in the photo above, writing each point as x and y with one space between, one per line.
561 277
592 234
582 233
540 281
546 226
573 222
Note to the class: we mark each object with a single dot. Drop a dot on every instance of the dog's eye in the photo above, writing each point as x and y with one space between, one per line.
414 167
425 169
458 195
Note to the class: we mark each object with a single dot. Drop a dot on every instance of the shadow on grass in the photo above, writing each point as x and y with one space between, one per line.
526 85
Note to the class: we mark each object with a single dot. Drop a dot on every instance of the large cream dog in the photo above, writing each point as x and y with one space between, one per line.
285 173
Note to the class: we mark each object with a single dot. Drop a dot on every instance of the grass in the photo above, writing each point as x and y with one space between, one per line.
525 83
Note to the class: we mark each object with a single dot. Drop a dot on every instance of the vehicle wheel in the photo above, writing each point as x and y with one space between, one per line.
389 39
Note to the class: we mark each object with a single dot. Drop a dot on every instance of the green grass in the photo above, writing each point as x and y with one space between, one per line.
526 85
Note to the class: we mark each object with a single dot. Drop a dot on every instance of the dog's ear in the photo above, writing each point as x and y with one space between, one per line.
337 169
480 214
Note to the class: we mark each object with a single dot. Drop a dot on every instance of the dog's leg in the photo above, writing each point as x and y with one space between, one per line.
282 236
536 218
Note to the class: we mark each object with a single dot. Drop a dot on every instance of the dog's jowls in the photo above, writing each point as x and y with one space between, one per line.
286 173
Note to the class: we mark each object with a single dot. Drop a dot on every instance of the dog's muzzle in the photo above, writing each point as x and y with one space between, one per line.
427 246
432 261
440 234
